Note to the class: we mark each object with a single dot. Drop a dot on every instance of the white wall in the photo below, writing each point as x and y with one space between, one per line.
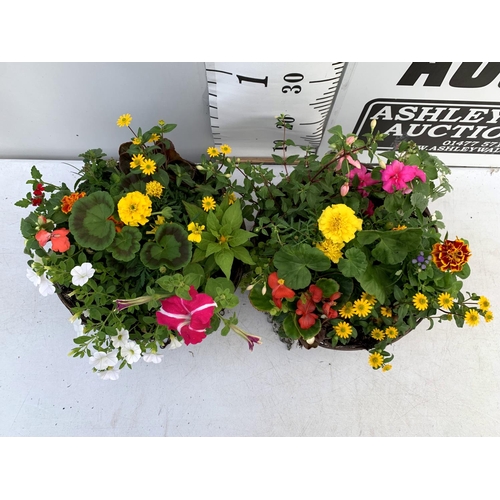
59 110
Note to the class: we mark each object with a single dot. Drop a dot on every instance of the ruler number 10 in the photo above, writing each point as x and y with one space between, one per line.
292 78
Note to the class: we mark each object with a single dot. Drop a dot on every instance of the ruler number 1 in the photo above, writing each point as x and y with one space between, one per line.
292 78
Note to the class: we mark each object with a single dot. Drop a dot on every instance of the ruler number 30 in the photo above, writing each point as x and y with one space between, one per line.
292 78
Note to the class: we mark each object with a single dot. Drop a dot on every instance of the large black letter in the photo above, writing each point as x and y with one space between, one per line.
436 71
463 76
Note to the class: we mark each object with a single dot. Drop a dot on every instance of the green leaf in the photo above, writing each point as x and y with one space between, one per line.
35 173
232 216
213 225
328 286
213 248
195 213
294 261
241 253
375 282
419 201
294 331
277 159
126 244
239 237
353 264
395 245
224 259
214 283
261 302
89 222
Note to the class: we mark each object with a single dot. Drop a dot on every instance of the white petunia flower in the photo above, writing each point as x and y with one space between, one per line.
152 357
33 277
174 343
81 274
110 373
131 352
100 360
121 339
78 326
46 287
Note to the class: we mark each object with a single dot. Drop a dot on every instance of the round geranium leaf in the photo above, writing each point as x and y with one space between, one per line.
89 222
177 249
126 244
152 255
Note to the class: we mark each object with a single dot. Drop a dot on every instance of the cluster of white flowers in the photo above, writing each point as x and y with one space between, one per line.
106 363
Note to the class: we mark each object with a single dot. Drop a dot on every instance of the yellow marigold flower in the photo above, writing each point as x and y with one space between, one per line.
231 198
377 334
362 308
343 330
154 138
212 152
375 360
208 203
124 120
386 368
391 332
196 230
369 298
134 208
347 311
136 140
148 167
399 228
420 301
483 303
68 201
386 311
445 300
339 223
137 161
154 188
331 249
488 316
472 317
225 149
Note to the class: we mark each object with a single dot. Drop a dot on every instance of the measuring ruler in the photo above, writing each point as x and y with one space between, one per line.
245 98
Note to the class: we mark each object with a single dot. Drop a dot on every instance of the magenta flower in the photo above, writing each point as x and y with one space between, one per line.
190 318
365 179
396 175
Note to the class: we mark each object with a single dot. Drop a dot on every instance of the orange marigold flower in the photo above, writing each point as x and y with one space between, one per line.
450 255
68 201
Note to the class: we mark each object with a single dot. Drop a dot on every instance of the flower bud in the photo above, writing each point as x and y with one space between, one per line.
344 189
373 124
227 175
228 160
201 168
238 160
350 140
264 290
381 163
311 340
249 287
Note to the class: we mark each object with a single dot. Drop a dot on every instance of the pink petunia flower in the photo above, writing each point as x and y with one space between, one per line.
396 175
365 179
190 318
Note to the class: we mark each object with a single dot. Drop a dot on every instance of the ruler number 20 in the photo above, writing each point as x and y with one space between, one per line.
292 78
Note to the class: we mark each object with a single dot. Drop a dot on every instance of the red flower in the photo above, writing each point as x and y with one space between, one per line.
60 241
305 309
316 293
38 195
39 190
327 306
190 318
43 237
279 290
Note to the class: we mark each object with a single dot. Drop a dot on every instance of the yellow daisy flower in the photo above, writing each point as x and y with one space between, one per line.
124 120
148 167
386 368
154 188
391 332
362 308
212 152
445 300
196 230
483 303
331 249
420 301
347 311
154 138
386 311
488 316
137 161
377 334
225 149
375 360
158 222
231 198
208 203
399 228
339 223
161 123
472 317
343 330
369 298
136 140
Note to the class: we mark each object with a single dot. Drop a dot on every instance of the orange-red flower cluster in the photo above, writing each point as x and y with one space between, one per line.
279 290
59 239
68 201
37 195
450 255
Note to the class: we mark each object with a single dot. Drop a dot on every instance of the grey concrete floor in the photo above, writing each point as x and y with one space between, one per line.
444 382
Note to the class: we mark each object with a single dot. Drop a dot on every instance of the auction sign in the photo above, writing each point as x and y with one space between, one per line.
449 109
